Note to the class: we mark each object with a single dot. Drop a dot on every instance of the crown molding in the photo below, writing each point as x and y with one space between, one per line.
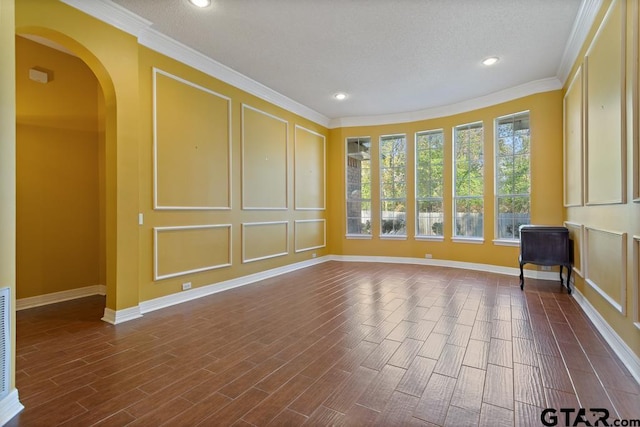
129 22
531 88
581 27
165 45
111 13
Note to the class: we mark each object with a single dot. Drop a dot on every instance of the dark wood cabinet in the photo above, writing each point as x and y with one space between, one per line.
545 245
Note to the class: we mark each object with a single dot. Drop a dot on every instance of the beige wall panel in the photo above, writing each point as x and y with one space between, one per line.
262 240
264 160
309 170
310 234
573 153
191 145
576 234
606 265
190 249
606 171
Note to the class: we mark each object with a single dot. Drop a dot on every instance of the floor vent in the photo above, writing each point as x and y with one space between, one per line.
5 337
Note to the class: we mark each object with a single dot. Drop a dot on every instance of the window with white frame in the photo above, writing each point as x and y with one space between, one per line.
358 190
393 185
513 174
429 183
468 180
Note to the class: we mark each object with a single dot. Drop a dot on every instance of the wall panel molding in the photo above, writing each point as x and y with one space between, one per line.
310 170
573 142
261 167
311 238
636 281
195 164
576 233
606 265
246 226
184 245
605 111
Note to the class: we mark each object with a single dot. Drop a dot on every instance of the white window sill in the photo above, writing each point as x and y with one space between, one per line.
358 236
506 242
472 240
392 237
430 238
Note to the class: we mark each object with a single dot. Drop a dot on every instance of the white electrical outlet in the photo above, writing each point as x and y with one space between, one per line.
313 255
186 285
546 268
428 256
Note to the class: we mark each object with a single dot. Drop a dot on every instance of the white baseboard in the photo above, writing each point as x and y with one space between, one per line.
10 406
120 316
620 348
52 298
169 300
489 268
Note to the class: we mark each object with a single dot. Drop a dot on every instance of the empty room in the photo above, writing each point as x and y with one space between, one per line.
329 212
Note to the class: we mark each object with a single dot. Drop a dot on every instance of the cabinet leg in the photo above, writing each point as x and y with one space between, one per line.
521 278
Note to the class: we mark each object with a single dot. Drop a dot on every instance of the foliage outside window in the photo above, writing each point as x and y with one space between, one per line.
358 186
429 183
393 185
513 177
468 177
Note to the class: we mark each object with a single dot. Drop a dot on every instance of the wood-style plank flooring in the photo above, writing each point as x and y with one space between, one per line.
333 344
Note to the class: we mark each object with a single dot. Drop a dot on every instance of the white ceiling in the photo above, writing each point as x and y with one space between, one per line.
390 56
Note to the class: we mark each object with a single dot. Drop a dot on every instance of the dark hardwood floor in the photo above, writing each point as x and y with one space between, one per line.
333 344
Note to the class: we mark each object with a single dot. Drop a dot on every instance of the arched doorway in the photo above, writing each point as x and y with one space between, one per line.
61 175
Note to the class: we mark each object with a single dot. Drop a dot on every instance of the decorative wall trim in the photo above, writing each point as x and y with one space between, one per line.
302 221
620 348
202 291
621 197
286 161
636 281
244 243
584 21
55 297
324 169
158 230
635 101
156 205
619 306
120 316
10 406
580 230
565 169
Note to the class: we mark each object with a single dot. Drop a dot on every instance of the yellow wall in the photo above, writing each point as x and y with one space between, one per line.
206 219
604 199
8 166
546 174
57 173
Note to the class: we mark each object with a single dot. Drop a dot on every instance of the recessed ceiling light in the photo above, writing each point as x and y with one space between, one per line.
200 3
490 60
340 96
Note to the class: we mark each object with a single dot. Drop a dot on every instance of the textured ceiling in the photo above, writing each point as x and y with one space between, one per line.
389 56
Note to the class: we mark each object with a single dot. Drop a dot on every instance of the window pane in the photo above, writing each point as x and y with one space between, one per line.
512 213
468 180
358 186
393 185
393 218
429 182
513 174
469 217
430 218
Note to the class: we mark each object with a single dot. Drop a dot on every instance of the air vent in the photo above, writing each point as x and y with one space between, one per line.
5 337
